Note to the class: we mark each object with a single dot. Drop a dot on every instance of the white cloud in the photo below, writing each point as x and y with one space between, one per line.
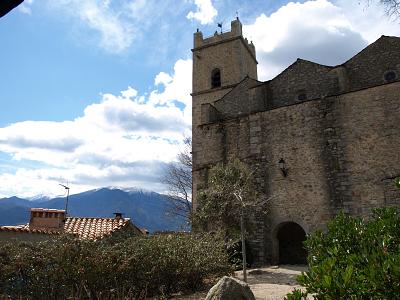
119 25
25 7
116 33
177 87
320 31
369 19
313 30
205 12
125 140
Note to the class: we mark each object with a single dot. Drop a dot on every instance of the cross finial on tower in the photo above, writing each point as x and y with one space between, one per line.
237 15
220 26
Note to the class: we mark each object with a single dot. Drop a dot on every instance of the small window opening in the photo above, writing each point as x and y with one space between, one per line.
215 78
390 76
302 96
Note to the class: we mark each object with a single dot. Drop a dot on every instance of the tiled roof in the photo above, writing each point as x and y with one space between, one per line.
25 229
48 210
94 228
85 228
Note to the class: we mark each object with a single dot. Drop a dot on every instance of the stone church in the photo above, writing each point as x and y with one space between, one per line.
320 139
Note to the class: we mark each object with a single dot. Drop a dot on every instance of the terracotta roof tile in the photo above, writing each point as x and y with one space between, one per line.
85 228
93 228
25 229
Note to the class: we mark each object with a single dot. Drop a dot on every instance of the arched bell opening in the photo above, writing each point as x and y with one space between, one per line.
215 78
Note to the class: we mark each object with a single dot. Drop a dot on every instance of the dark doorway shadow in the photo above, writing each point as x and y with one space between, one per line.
291 249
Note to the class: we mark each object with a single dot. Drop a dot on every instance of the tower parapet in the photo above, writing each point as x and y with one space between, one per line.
235 32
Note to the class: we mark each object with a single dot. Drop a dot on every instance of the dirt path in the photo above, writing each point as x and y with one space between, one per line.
269 283
273 283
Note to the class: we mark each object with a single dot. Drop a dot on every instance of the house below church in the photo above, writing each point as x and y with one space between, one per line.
46 223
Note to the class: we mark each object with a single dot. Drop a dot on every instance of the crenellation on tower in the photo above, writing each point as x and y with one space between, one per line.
229 53
234 33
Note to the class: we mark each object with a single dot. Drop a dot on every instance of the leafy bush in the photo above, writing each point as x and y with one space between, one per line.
354 259
132 268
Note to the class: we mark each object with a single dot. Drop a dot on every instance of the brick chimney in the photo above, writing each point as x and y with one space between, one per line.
118 215
47 218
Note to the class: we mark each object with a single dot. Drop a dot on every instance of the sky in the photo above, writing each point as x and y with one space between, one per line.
97 93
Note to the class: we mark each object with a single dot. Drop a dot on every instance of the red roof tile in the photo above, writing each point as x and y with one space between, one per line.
84 228
94 228
26 229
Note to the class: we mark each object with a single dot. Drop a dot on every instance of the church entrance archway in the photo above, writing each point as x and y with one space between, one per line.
290 237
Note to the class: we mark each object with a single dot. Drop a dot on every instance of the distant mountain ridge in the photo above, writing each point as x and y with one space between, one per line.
146 209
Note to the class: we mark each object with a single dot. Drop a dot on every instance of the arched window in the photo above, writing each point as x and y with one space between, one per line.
215 78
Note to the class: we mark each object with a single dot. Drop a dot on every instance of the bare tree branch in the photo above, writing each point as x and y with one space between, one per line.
392 7
178 179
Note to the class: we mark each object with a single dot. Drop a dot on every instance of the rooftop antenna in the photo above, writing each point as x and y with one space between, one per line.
66 203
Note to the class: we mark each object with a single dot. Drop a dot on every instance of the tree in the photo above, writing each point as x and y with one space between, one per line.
392 7
227 200
178 178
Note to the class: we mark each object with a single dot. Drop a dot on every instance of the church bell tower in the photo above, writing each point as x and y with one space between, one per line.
220 62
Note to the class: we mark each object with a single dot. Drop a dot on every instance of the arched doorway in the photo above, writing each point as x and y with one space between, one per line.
290 237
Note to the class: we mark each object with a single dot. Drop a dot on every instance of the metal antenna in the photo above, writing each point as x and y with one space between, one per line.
66 203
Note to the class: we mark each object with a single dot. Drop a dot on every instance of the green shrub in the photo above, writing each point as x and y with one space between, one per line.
354 259
131 268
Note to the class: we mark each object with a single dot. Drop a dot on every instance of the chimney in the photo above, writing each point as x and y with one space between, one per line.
118 215
47 218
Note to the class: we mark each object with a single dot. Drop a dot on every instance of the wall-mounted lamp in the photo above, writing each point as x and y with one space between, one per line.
282 166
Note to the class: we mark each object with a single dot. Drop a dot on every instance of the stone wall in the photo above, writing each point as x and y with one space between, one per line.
342 152
369 66
235 102
303 77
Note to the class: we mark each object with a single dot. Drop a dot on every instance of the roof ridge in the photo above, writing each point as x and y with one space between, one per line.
382 37
107 218
246 78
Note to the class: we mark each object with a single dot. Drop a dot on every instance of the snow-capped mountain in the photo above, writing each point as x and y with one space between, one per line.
145 208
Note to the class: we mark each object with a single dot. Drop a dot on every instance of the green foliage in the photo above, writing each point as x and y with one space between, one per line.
133 268
397 182
354 259
230 191
296 295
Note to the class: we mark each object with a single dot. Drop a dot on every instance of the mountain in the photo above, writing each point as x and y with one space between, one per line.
146 209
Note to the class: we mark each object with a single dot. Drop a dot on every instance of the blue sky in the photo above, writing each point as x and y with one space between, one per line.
97 93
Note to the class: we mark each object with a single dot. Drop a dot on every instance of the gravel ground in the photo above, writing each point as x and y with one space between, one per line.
273 283
268 283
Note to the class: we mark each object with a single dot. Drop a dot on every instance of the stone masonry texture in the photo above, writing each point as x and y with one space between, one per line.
340 143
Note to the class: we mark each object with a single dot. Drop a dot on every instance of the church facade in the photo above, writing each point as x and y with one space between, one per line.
319 139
